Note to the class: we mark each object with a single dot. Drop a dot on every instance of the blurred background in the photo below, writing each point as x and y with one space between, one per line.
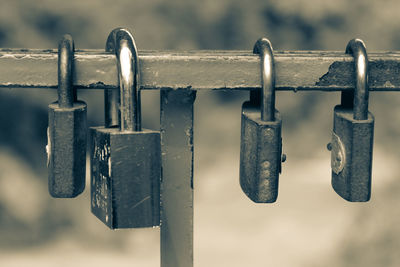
308 226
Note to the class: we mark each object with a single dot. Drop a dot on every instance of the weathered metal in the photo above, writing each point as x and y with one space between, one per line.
67 131
261 142
125 160
352 137
202 70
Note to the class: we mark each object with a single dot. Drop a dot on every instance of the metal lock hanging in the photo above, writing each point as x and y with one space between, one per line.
66 149
261 142
125 159
353 133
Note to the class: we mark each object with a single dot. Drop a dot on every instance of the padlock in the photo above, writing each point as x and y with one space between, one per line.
126 159
261 142
353 133
67 131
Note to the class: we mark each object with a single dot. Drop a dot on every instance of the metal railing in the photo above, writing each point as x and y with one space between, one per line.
179 75
198 70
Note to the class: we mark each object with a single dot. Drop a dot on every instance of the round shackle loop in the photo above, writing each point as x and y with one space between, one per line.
121 42
66 92
356 48
263 47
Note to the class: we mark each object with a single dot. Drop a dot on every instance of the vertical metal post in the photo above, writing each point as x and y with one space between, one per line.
177 177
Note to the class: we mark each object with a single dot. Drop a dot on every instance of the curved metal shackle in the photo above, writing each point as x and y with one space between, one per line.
66 92
121 42
263 47
356 48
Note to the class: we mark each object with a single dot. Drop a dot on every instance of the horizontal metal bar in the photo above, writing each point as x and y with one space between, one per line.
295 70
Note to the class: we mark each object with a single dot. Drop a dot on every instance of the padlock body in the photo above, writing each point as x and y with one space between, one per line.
125 177
66 148
260 155
351 155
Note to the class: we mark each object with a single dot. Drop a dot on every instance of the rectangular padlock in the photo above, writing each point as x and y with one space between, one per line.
351 160
67 131
260 155
260 141
125 171
125 159
353 134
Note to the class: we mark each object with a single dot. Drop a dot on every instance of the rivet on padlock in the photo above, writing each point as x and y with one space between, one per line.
125 160
353 133
261 142
66 149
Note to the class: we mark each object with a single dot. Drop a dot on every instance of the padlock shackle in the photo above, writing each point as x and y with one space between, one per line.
111 113
66 92
121 42
263 47
356 48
